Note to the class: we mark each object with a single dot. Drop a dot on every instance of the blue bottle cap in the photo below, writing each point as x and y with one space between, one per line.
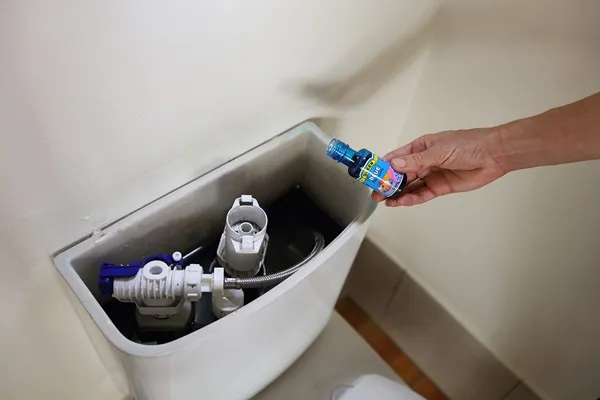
337 150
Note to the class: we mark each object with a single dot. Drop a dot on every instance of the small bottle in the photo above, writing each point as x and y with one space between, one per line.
368 168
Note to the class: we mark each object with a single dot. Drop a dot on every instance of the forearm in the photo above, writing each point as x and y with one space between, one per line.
567 134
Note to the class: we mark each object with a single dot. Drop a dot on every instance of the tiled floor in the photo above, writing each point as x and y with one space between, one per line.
387 350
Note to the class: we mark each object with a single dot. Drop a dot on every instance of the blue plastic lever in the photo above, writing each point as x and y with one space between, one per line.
109 271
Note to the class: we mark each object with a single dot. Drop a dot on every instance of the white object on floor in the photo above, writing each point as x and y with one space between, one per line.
375 387
333 362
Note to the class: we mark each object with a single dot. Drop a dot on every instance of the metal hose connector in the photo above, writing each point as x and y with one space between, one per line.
273 279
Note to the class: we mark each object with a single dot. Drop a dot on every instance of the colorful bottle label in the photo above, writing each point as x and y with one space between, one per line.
379 175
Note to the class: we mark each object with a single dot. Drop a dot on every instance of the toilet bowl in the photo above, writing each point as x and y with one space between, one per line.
237 355
374 386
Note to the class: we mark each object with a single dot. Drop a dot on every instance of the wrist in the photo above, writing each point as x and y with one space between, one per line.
516 145
558 136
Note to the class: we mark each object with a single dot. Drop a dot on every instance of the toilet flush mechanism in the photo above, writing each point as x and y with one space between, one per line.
286 305
244 241
169 295
158 290
163 291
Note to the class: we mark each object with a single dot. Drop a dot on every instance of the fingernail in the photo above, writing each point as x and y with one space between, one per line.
399 162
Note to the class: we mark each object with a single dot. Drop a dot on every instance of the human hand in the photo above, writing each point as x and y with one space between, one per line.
445 163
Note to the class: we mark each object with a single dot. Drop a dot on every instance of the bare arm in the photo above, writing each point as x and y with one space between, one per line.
561 135
463 160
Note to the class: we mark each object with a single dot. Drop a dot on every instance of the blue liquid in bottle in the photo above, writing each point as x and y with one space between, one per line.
368 168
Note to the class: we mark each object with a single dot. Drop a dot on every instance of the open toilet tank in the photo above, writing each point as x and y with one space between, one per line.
235 356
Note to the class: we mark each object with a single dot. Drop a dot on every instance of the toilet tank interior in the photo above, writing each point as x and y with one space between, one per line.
290 166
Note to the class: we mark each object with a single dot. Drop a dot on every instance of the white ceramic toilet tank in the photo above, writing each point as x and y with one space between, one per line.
238 355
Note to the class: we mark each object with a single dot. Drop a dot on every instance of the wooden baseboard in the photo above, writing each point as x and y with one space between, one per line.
431 340
406 369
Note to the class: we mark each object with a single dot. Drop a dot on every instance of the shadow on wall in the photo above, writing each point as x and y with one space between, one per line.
367 80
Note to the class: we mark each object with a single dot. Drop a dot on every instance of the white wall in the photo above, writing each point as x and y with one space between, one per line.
105 106
518 262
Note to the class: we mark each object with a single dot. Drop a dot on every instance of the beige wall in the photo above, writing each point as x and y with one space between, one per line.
105 106
518 263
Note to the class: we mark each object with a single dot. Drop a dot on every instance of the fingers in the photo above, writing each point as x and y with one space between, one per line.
422 190
418 196
416 192
413 159
379 197
415 162
417 183
399 152
416 146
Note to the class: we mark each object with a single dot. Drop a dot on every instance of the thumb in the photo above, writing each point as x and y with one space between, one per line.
416 161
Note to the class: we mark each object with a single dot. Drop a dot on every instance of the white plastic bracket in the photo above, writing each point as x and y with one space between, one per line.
157 289
224 301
